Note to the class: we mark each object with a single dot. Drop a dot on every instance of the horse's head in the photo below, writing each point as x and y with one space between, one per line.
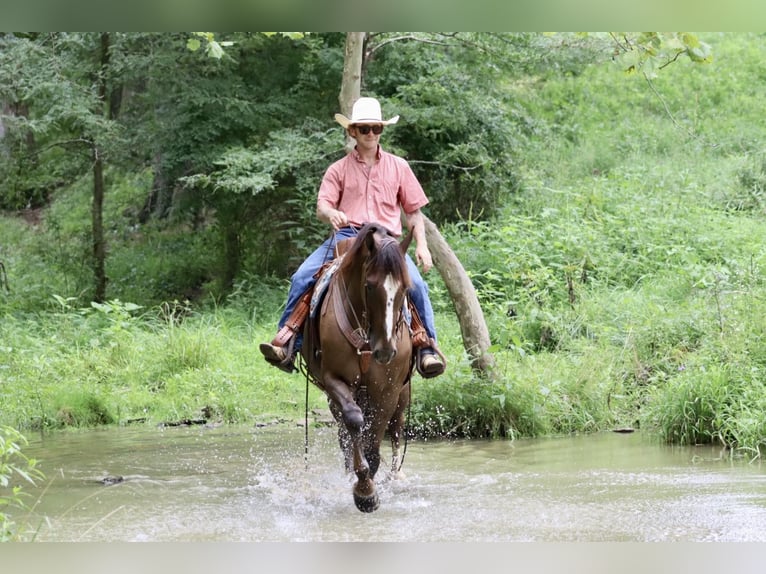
383 285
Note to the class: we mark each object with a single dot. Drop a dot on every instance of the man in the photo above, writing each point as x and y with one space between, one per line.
367 185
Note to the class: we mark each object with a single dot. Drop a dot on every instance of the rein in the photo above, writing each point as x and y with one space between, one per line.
306 422
406 428
356 336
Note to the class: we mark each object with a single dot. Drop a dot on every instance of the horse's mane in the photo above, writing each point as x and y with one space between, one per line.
387 256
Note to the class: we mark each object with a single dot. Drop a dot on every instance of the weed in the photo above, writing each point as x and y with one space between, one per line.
15 469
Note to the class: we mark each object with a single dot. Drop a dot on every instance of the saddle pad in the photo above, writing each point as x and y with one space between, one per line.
321 286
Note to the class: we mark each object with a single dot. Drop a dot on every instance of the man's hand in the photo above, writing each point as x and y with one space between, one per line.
423 257
338 219
328 214
422 253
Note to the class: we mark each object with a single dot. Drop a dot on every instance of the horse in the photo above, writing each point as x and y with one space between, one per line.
358 350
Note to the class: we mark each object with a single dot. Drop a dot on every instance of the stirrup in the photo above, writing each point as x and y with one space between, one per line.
435 372
288 363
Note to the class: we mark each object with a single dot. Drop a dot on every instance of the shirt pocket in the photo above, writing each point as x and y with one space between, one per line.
387 195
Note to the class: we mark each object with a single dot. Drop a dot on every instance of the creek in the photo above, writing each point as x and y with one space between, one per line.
236 483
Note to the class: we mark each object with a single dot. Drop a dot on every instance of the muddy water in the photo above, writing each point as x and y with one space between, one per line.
246 484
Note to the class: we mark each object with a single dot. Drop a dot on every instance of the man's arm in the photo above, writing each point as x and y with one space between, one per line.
327 213
416 224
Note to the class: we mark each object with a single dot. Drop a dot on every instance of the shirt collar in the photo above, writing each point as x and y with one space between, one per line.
359 157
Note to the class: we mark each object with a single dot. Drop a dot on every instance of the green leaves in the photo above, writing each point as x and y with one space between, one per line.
650 52
13 464
213 47
287 154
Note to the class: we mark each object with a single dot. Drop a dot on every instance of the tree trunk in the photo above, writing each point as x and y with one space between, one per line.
232 248
97 212
473 327
6 111
351 86
469 314
99 243
158 202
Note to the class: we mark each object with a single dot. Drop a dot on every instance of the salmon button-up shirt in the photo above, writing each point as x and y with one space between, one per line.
373 194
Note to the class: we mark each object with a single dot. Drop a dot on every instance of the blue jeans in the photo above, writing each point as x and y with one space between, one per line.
303 278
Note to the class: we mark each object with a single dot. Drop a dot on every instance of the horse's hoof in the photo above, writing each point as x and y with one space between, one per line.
367 503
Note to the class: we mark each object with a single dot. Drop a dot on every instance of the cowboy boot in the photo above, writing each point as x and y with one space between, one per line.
281 357
431 361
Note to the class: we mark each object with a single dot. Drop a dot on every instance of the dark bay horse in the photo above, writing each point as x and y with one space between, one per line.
360 353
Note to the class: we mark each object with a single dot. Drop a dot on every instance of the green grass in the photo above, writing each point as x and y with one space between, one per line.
624 286
83 367
631 266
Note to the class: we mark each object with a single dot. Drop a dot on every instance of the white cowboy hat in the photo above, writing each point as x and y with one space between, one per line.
365 111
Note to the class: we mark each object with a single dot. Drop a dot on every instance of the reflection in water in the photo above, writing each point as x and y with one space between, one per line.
237 483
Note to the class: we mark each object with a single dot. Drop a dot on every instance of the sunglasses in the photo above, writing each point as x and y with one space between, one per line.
377 129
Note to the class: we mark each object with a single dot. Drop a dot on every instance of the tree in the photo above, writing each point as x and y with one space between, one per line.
470 316
99 242
260 182
351 85
62 80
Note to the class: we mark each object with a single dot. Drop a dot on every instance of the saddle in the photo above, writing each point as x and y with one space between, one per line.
311 302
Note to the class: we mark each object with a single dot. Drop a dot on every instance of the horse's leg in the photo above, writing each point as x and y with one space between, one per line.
367 447
341 395
365 497
373 458
344 438
396 430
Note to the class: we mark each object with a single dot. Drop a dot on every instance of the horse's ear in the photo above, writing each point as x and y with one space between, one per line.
405 244
369 238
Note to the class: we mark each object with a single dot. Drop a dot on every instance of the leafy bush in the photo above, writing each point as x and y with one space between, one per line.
693 407
14 466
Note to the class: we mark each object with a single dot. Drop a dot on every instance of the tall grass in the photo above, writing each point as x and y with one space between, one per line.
626 285
116 363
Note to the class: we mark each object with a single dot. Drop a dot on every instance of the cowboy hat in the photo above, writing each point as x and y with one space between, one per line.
365 111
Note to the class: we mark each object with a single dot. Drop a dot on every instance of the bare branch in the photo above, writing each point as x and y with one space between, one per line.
442 164
64 143
678 55
667 108
622 43
406 37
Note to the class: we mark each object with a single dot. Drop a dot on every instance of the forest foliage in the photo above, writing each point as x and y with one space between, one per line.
610 223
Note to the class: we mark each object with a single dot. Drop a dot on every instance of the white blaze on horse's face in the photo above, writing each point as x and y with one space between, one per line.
391 287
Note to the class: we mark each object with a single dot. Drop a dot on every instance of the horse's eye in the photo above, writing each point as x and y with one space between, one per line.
368 286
